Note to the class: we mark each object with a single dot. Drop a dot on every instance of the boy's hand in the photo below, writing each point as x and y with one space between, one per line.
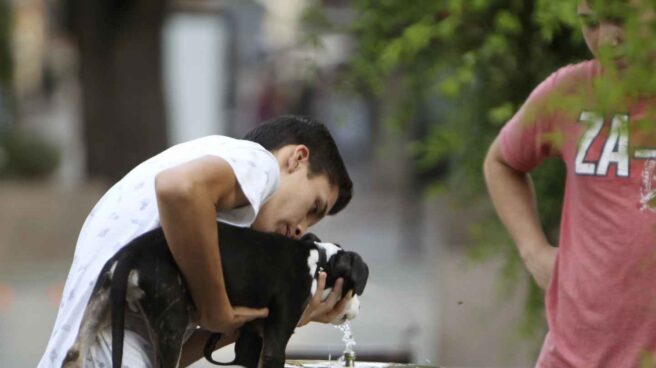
330 308
232 319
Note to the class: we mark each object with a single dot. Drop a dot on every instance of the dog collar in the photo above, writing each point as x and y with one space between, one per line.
322 263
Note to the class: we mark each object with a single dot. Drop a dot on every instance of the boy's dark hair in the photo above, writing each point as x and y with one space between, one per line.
324 155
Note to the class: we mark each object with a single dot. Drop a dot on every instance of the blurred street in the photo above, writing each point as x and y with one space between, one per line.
222 67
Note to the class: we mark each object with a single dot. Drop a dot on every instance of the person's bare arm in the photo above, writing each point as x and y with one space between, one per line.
194 348
188 197
513 196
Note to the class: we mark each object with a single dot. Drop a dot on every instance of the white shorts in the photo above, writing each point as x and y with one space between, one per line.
137 352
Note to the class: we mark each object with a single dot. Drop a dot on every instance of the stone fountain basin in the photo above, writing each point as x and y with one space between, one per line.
358 364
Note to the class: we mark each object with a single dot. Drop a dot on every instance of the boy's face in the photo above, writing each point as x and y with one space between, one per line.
608 30
600 32
300 201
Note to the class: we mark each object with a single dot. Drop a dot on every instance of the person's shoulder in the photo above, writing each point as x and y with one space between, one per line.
573 75
582 68
225 143
239 149
568 79
235 151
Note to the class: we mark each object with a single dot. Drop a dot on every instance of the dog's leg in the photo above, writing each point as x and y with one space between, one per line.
166 312
96 313
273 347
170 329
248 346
278 328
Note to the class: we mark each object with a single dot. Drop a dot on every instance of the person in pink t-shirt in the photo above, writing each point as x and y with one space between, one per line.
601 279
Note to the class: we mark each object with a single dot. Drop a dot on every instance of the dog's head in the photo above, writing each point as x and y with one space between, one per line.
347 265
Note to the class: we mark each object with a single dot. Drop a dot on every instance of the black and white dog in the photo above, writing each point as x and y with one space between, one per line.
260 270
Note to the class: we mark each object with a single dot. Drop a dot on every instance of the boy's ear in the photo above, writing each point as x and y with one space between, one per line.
300 154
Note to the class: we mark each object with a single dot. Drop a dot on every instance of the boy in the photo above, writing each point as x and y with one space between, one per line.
600 280
284 177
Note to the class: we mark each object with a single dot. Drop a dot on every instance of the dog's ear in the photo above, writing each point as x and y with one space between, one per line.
310 238
352 268
360 273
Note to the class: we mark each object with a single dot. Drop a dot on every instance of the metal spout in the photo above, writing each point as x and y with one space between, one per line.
349 359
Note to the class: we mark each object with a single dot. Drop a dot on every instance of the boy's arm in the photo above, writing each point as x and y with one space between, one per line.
194 348
188 197
513 196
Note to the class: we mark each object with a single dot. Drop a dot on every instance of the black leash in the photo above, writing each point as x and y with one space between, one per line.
210 346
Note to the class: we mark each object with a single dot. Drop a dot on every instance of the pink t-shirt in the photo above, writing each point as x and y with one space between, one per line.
601 300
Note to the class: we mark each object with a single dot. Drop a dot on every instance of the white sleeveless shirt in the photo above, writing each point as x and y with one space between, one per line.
129 209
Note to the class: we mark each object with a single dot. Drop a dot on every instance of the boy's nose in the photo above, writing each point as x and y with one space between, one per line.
298 231
610 34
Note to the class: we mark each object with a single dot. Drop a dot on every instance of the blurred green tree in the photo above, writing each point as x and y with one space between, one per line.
459 71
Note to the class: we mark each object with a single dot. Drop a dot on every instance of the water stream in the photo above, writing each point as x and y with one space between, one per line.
348 355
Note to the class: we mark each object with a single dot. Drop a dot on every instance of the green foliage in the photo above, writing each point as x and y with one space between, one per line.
475 62
479 59
647 359
26 156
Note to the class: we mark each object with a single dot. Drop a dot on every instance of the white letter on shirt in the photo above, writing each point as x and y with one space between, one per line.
594 123
616 149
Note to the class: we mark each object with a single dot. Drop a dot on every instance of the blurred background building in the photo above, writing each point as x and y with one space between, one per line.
91 88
